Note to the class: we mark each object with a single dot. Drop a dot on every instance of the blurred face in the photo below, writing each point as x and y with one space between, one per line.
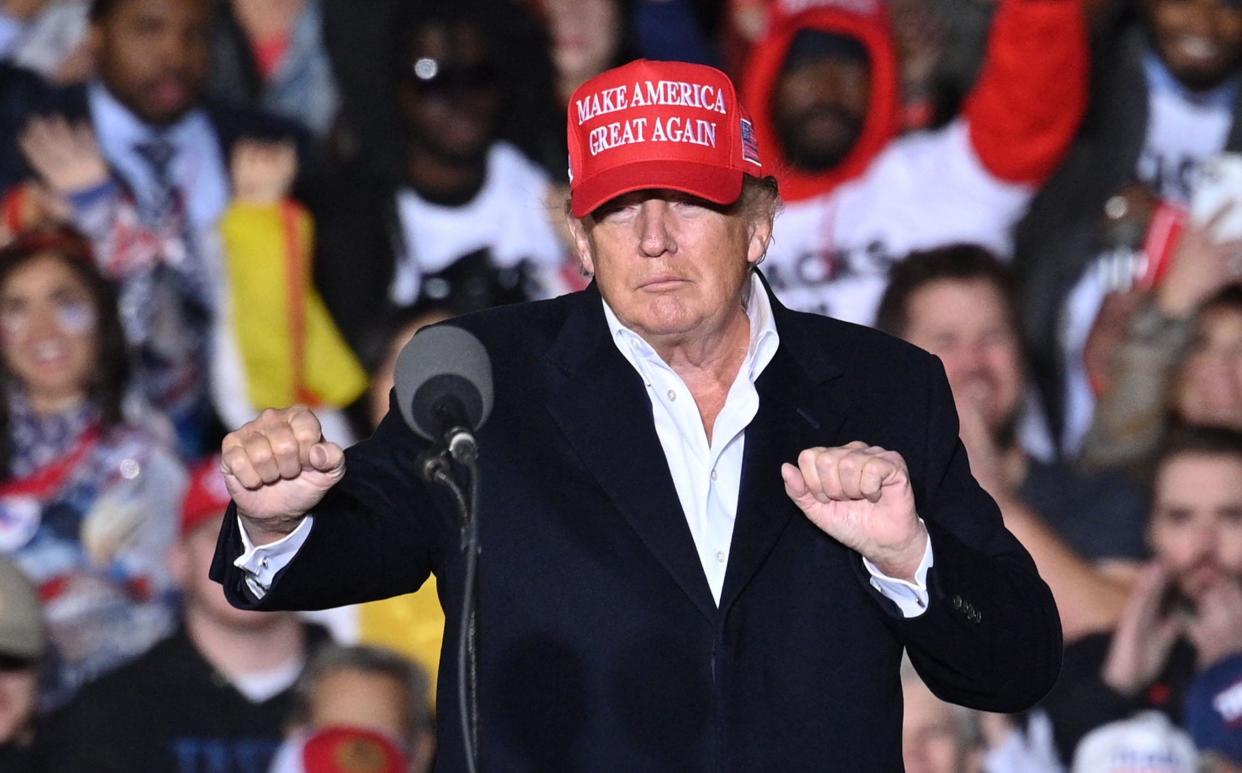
819 110
1196 521
204 598
929 737
671 266
585 37
19 692
967 325
1209 387
1199 40
450 98
371 701
155 55
47 319
382 379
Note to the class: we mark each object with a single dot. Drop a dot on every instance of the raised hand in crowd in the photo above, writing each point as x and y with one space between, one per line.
1216 628
277 467
65 155
262 171
1145 634
1202 264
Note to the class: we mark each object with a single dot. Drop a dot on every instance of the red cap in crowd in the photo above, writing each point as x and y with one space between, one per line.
206 497
351 750
653 124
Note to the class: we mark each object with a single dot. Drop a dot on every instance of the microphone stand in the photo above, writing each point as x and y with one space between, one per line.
436 467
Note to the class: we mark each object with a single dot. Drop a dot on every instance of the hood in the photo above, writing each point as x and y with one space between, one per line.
867 22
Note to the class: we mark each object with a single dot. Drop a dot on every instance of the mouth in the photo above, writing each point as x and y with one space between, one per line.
1198 49
662 283
169 93
49 353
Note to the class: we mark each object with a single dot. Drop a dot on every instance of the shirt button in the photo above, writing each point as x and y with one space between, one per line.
263 562
720 556
672 395
713 473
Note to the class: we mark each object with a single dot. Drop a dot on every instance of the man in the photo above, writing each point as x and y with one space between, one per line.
213 696
457 191
362 688
1084 532
145 174
1167 97
1184 615
825 80
711 525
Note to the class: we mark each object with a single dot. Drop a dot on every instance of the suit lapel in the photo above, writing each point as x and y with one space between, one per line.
601 406
797 410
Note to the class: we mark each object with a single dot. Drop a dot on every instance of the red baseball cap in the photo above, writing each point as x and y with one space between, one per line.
206 496
652 124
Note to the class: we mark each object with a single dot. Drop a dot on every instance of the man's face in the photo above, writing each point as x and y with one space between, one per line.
450 98
1209 386
155 55
364 699
671 266
1196 521
966 323
1198 40
819 109
929 733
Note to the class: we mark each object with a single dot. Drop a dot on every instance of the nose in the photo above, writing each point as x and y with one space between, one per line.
655 237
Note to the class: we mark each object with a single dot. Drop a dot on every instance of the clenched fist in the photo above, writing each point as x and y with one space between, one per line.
277 468
860 495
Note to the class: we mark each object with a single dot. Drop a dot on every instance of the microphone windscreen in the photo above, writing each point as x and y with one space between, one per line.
438 362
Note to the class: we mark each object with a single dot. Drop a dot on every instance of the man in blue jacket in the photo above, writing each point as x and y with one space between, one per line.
710 525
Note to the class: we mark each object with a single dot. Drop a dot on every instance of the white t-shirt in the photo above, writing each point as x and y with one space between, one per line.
510 216
831 254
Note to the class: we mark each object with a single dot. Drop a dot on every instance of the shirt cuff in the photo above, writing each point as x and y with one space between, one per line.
910 597
261 563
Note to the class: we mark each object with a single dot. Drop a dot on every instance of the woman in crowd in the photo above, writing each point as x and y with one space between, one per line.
84 491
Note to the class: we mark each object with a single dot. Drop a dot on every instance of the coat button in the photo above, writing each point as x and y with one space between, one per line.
957 602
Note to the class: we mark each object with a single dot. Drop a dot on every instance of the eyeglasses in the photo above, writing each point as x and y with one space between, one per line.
441 77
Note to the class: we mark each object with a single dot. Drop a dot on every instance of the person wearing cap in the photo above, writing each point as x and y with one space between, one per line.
212 696
710 525
23 644
825 84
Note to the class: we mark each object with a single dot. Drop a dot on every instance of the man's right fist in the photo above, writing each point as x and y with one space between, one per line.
277 468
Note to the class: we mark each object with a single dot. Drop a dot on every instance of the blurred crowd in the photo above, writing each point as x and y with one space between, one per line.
211 207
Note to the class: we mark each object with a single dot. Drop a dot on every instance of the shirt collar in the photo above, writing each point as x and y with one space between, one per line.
764 339
1159 78
117 127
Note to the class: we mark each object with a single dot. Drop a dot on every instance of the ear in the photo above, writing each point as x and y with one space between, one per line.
582 243
759 234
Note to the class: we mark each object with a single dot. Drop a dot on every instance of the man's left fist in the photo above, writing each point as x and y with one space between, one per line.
860 495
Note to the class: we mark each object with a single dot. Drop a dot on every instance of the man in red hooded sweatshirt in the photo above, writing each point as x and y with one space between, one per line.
857 196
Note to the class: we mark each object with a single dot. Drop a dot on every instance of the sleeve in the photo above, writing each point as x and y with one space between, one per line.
378 533
1032 94
991 636
1129 417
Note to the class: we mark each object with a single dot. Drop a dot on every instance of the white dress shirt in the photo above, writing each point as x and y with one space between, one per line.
707 475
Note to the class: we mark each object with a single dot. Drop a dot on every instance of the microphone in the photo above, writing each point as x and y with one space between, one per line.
444 388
